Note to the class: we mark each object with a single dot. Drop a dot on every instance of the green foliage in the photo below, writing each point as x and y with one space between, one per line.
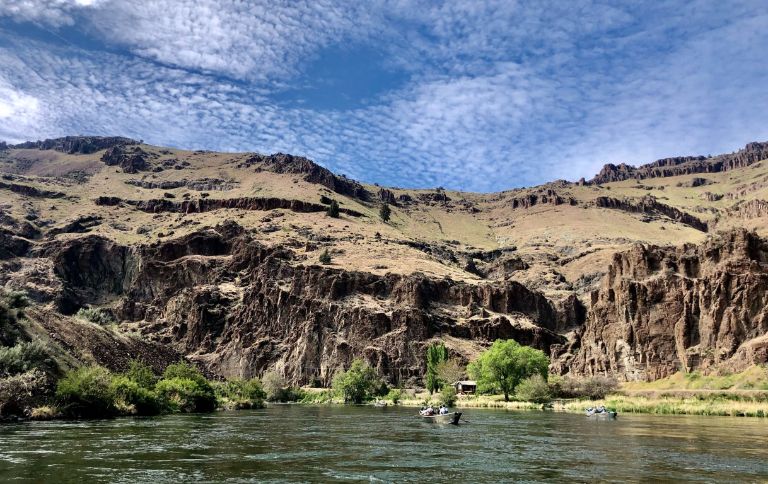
436 354
333 209
134 399
358 384
325 257
278 390
448 395
142 374
385 212
186 395
505 364
317 397
87 392
534 389
24 357
239 394
98 316
395 395
185 389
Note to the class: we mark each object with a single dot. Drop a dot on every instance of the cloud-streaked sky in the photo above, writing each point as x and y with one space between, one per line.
466 94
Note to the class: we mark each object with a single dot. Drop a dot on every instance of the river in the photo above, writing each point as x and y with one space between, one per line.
289 443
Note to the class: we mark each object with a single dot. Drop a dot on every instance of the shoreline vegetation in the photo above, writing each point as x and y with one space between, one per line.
35 385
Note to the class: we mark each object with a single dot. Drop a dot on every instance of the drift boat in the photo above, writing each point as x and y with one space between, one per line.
448 418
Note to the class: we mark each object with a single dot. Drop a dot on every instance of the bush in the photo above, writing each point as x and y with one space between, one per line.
98 316
44 412
19 393
185 389
142 374
333 209
385 212
321 397
448 395
186 395
24 357
533 389
133 399
395 395
358 384
325 257
239 394
11 306
594 387
87 392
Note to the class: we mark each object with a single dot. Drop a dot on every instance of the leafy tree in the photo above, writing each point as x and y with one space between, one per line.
450 371
505 364
358 384
385 212
186 389
333 209
436 354
325 257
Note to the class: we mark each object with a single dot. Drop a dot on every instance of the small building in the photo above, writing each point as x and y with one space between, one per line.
465 386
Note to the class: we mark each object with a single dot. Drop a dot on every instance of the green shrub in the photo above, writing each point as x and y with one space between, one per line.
325 257
395 395
333 209
238 394
87 392
278 390
358 384
323 396
142 374
133 399
24 357
448 395
533 389
186 395
98 316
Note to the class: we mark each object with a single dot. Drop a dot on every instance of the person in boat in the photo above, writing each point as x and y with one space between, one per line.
428 412
443 410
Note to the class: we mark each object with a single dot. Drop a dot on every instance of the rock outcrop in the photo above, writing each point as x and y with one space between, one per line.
648 205
76 144
684 165
131 159
241 308
663 309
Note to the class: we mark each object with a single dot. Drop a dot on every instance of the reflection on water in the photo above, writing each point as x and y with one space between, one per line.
299 443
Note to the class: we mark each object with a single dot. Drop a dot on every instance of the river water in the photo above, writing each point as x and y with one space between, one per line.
290 443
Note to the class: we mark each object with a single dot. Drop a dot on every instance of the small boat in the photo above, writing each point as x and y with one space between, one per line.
448 418
601 413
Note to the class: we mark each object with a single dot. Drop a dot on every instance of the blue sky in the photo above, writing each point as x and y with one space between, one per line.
469 95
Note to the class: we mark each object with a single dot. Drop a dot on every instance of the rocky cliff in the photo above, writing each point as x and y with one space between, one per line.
664 309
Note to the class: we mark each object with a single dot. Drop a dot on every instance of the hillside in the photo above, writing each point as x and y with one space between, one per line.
640 272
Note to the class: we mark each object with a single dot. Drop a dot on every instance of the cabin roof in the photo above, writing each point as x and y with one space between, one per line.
466 383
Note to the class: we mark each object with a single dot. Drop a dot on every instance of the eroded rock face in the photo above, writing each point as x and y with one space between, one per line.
684 165
131 159
77 144
660 310
241 308
650 206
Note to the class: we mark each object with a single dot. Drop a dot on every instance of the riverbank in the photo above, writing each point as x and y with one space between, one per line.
685 402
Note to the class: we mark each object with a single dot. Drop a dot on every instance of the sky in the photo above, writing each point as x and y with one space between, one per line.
467 94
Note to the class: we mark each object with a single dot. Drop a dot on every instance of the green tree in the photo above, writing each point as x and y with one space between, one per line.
325 257
358 384
450 371
385 212
436 354
505 364
142 374
333 209
186 389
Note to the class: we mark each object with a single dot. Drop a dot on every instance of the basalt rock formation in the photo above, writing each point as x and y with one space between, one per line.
650 206
684 165
663 309
77 144
241 307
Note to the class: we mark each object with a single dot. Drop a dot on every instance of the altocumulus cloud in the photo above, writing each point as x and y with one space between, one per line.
473 95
